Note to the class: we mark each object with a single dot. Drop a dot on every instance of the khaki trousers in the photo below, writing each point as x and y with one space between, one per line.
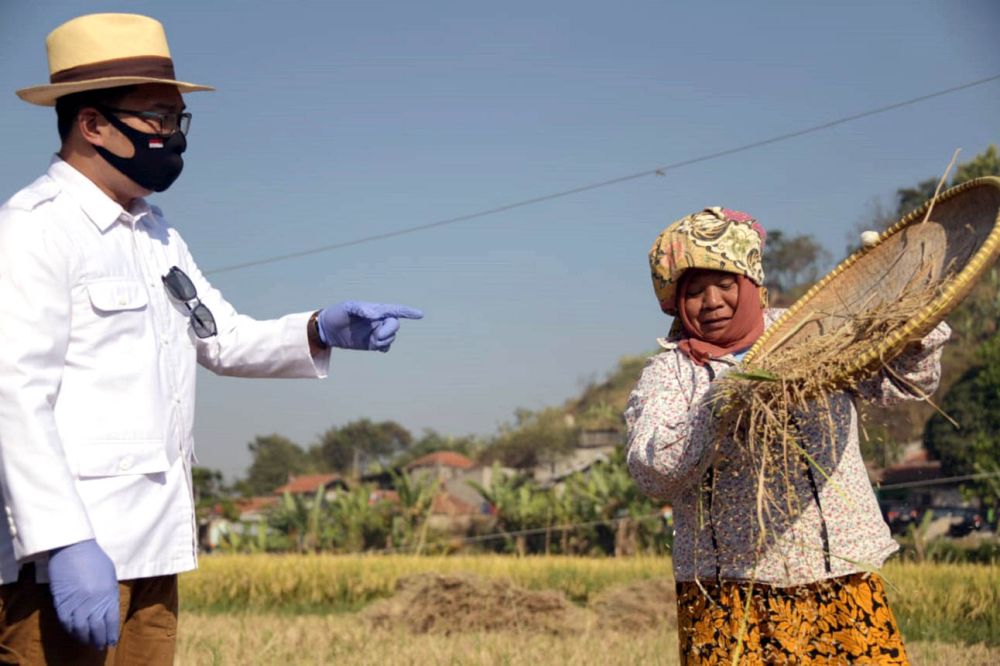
30 632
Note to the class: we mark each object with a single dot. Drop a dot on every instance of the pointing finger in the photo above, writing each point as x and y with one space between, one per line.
381 310
404 312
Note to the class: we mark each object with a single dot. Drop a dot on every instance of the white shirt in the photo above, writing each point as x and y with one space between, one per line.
97 377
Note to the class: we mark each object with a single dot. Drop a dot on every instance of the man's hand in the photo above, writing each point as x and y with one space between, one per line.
361 325
85 592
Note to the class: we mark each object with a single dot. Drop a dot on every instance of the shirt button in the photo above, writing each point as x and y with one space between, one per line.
125 463
122 301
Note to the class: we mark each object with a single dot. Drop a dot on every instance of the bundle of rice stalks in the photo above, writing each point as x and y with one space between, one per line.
763 406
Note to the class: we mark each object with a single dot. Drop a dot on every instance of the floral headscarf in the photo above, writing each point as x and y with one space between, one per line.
716 239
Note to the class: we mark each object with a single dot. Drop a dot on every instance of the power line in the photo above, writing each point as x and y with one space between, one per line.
531 531
659 171
935 482
658 515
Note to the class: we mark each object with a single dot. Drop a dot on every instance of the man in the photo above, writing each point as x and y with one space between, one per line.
104 315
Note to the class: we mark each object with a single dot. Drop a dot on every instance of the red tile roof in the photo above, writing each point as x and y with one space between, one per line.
307 483
442 459
254 504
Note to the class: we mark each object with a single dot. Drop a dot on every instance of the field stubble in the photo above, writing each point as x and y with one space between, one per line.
255 638
492 609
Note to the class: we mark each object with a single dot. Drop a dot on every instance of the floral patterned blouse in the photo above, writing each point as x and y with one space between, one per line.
837 528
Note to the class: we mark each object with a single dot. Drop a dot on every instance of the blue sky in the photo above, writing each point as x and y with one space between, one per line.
337 120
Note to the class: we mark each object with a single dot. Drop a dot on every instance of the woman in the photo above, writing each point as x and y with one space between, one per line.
795 586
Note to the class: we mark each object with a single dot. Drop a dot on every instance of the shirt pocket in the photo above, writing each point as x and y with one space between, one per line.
117 295
97 458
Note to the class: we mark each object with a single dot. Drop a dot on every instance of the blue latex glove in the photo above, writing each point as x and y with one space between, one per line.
85 592
361 325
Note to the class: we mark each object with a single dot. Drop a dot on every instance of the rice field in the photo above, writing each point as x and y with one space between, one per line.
325 583
289 609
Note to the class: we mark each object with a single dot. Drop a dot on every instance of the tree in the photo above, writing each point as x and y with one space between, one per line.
275 458
606 496
536 437
974 402
600 405
791 265
207 485
300 519
355 523
416 499
354 446
210 494
518 504
986 163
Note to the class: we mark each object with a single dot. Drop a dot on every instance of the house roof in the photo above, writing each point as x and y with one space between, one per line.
442 459
307 483
254 504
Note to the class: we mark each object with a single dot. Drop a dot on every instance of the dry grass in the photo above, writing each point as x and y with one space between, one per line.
943 602
951 609
438 604
346 582
346 639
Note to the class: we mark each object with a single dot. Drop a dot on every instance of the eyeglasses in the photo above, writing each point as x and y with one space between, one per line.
181 288
166 123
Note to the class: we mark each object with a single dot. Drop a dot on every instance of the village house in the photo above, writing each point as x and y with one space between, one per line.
307 485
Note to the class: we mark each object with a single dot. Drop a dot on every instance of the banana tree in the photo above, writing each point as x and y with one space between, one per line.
300 519
416 501
355 523
519 506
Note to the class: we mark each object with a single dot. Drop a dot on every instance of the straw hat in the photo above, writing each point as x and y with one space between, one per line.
105 51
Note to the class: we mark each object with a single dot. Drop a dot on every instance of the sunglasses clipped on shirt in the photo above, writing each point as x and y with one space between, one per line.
182 289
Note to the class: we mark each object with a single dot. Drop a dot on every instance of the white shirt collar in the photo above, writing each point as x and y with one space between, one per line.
102 210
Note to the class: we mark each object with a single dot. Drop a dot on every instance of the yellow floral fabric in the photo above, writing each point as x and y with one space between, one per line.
714 238
843 620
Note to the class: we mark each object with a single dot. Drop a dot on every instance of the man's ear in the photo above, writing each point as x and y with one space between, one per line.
92 125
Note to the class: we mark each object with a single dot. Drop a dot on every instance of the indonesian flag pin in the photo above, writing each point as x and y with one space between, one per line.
156 142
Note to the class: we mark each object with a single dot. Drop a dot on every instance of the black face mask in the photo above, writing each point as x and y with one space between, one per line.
157 160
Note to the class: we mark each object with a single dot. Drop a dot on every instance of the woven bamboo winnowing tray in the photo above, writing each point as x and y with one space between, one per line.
958 243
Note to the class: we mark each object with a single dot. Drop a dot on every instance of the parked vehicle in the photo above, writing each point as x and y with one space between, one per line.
964 520
900 515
